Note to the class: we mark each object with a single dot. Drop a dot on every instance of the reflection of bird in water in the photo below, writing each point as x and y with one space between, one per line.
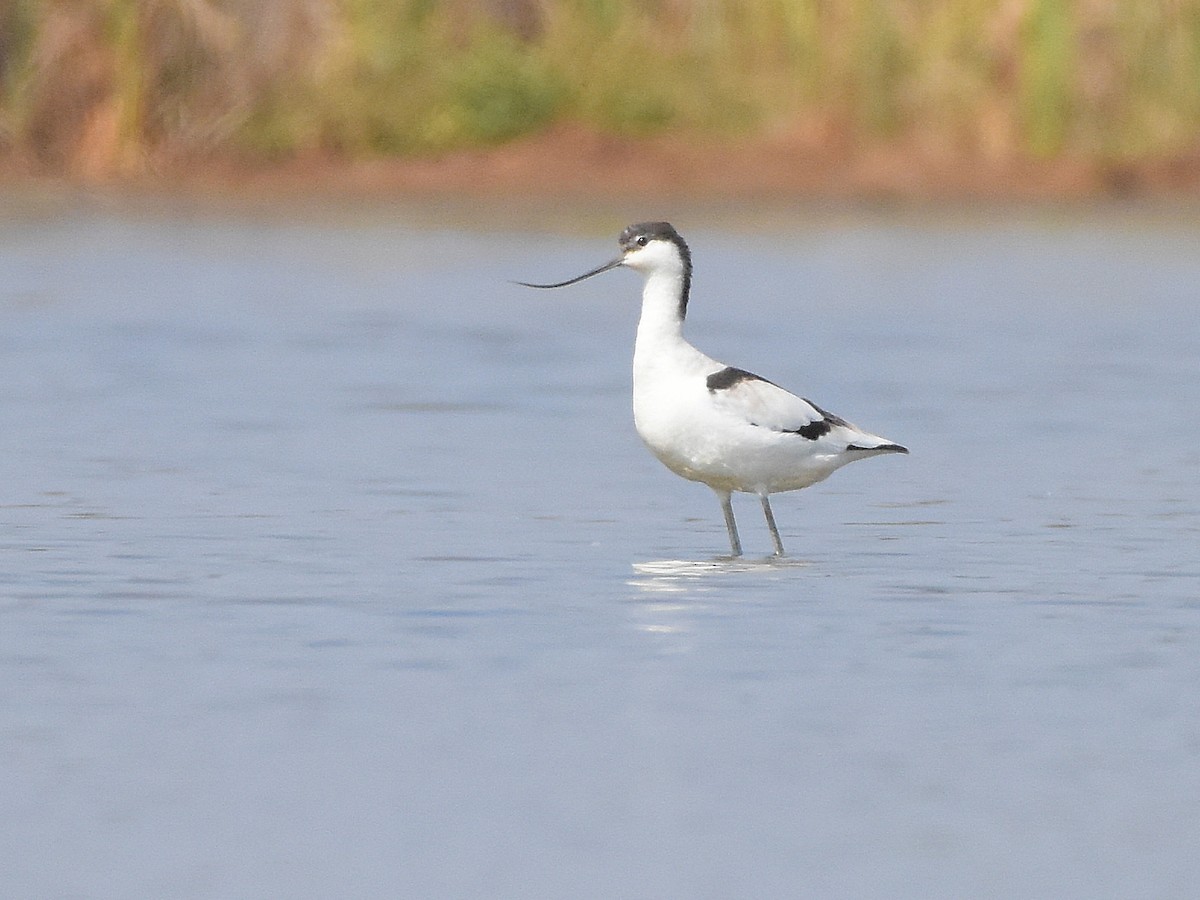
712 423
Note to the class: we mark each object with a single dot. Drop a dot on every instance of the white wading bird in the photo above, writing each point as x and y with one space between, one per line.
710 422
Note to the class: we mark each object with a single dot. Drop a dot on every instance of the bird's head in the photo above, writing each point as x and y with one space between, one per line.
647 248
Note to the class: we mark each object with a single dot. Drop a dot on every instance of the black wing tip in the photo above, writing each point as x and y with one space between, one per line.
882 448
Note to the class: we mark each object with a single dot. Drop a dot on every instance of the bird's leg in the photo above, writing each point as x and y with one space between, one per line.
735 545
766 505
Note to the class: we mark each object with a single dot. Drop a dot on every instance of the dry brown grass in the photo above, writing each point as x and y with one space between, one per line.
102 87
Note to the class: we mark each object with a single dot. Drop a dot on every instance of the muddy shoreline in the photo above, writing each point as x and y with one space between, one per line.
572 169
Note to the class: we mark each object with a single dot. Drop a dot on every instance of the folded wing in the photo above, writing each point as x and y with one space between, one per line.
765 404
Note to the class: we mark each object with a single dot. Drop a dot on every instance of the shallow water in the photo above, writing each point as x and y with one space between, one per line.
331 565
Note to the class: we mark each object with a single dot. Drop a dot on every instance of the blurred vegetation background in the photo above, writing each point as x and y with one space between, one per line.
97 87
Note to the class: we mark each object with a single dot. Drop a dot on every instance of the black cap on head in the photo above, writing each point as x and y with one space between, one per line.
642 233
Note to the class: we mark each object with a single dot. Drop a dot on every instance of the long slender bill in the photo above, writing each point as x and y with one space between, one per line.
604 268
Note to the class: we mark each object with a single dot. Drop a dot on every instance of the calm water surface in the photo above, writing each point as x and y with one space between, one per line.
331 565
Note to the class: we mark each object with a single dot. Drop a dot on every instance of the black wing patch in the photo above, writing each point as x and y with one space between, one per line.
822 426
728 377
829 417
813 430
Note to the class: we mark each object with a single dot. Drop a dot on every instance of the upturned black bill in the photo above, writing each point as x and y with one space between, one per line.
604 268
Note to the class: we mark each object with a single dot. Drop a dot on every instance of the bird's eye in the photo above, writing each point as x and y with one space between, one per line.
642 240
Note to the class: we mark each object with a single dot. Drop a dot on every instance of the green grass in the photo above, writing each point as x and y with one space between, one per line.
113 83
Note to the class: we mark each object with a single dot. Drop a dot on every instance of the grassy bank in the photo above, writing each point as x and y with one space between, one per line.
101 87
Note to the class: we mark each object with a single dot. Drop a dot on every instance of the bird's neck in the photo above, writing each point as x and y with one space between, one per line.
660 329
